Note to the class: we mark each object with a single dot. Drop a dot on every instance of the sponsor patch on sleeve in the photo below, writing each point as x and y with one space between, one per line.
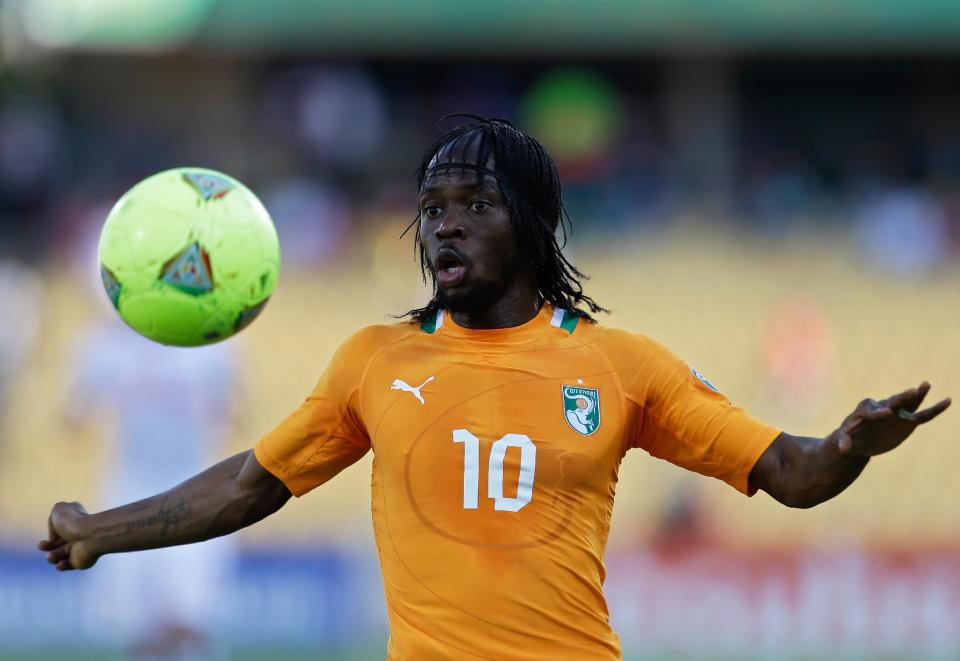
704 380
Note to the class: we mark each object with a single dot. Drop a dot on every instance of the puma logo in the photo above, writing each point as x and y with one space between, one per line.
400 384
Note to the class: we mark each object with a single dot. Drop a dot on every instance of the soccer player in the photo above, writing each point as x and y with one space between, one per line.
498 416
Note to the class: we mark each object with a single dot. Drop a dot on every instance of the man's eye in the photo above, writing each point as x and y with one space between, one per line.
478 206
431 211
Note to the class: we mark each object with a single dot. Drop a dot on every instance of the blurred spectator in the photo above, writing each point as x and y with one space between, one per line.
21 294
782 192
483 90
171 409
904 231
312 220
30 148
683 524
799 360
578 115
339 113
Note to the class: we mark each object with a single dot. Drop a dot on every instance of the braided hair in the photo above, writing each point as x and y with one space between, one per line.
528 179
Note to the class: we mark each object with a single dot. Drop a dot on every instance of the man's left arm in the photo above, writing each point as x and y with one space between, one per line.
803 472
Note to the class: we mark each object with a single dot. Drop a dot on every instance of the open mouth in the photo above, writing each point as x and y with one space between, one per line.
450 268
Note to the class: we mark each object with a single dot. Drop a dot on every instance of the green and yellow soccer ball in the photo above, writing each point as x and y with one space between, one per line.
189 256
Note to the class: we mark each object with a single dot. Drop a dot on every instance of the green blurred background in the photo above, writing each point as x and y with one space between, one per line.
770 189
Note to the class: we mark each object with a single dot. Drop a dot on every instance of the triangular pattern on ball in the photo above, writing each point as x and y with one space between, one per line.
189 271
210 186
111 284
247 315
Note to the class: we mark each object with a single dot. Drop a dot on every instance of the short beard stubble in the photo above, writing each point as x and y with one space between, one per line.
480 296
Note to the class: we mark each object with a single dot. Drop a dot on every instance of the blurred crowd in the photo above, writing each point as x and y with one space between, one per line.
869 149
769 146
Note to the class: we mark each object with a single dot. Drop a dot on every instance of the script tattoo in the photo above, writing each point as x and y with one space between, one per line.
169 516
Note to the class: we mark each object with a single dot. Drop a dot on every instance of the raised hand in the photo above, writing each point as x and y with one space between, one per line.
877 427
65 545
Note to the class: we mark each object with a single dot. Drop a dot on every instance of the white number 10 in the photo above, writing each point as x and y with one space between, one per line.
471 470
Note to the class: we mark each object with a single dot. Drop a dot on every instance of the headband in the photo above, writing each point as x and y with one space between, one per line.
451 165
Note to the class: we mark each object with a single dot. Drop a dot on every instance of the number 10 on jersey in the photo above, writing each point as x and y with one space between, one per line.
498 451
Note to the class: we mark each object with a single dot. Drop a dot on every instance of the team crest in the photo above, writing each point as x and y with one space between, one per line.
581 409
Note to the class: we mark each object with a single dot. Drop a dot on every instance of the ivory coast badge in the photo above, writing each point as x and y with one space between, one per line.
581 409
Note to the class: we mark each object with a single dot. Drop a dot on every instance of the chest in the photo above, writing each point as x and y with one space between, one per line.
548 417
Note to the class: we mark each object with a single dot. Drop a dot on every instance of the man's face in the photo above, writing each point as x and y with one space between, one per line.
468 239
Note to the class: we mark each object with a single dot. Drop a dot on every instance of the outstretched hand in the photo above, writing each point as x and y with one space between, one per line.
877 427
65 545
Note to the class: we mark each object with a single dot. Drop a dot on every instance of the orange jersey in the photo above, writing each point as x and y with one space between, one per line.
495 464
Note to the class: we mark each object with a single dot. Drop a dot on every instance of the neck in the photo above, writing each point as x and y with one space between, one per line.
517 306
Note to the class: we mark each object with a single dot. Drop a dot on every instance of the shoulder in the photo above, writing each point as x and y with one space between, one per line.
377 336
354 354
370 339
618 344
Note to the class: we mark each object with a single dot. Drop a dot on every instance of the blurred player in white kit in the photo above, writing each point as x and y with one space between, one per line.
169 411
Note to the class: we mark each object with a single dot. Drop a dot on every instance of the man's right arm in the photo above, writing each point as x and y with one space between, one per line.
229 496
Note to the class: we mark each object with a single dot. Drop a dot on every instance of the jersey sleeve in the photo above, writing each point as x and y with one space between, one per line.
326 433
684 419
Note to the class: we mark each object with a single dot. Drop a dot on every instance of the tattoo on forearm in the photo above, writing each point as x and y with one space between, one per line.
169 516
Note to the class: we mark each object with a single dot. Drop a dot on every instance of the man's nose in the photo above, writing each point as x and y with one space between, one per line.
450 228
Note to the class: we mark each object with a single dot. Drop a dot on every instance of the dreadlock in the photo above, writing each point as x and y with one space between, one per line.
528 179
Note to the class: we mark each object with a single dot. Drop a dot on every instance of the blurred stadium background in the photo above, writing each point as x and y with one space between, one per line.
771 189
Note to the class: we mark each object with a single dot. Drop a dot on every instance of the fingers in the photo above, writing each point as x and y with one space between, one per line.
60 558
909 399
52 533
879 414
53 540
57 547
907 402
926 415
